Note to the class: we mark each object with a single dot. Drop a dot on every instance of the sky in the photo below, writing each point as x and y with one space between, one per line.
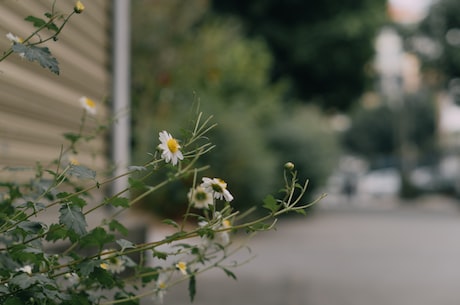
409 10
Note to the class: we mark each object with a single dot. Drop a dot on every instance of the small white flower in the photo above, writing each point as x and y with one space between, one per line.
160 289
200 198
26 269
72 278
170 147
88 104
217 187
182 267
13 38
223 237
112 262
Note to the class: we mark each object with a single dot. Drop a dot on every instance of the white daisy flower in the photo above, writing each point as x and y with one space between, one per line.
217 187
160 289
170 147
221 238
88 104
182 267
112 262
13 38
26 269
200 198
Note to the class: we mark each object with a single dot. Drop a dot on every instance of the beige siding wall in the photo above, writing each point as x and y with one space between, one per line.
37 106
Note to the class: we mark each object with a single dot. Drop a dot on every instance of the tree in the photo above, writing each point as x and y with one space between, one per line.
437 41
322 46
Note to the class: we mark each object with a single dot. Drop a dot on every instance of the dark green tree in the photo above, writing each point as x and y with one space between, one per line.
437 42
324 46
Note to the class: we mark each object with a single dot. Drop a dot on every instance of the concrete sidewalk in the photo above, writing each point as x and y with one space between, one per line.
401 256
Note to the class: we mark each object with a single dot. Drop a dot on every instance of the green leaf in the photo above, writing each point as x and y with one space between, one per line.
82 172
125 244
86 267
136 184
96 237
160 255
13 301
37 22
192 287
31 227
72 218
42 55
56 232
271 204
119 202
127 298
170 222
103 277
72 137
115 225
229 273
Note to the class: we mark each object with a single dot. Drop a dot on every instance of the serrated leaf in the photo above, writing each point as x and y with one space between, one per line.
160 255
271 204
82 172
125 244
88 266
72 218
170 222
115 225
24 280
56 232
120 202
31 227
37 22
192 287
42 55
96 237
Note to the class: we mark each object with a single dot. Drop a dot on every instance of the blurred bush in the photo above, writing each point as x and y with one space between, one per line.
208 61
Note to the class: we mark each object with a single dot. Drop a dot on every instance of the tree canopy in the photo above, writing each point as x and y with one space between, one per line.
323 47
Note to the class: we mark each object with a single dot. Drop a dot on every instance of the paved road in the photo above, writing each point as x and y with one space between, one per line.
347 256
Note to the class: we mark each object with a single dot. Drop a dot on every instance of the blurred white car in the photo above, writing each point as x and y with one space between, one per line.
380 182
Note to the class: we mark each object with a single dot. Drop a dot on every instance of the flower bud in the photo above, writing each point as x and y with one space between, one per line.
289 166
79 7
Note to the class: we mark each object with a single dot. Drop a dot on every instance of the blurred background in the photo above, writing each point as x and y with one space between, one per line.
362 96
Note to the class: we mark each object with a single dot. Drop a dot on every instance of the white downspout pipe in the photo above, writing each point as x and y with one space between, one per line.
121 134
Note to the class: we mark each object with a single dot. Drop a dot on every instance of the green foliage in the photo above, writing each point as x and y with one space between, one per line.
322 47
377 132
231 77
434 40
42 55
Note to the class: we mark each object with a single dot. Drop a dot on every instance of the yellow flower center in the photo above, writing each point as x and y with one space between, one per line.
103 266
226 223
162 285
217 188
90 103
182 266
173 146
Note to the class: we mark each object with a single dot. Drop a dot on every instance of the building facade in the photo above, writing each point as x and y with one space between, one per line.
37 106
